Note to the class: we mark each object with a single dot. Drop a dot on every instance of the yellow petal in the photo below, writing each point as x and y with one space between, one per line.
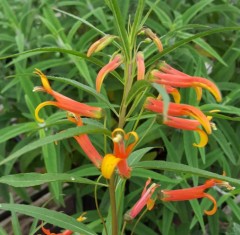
109 163
44 80
203 138
81 218
198 92
40 106
150 204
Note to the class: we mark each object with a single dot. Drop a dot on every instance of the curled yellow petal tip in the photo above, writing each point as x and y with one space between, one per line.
203 138
40 106
109 164
44 80
211 198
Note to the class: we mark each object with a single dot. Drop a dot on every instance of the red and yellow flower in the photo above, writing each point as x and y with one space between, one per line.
122 149
145 200
140 66
148 32
112 65
86 144
172 77
195 193
48 232
100 44
81 218
64 102
177 110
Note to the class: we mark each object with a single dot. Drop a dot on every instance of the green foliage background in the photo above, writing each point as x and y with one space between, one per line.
199 37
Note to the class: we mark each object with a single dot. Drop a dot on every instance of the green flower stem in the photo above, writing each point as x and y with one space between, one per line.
127 88
113 205
97 207
123 228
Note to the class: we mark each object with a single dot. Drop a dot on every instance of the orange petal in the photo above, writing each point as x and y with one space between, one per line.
132 145
47 231
211 198
150 204
112 65
140 66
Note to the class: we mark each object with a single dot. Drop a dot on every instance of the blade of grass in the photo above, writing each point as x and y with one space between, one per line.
187 40
53 138
50 216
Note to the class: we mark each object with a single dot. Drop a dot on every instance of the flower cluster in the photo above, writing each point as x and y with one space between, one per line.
186 194
179 116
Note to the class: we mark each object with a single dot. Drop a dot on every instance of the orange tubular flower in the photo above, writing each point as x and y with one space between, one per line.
48 232
100 44
145 200
120 154
176 110
183 80
86 144
64 102
154 37
140 66
112 65
195 193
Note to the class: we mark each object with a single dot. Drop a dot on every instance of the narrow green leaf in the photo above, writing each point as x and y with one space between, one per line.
144 173
191 152
193 10
52 217
185 41
181 168
33 179
171 151
161 14
136 22
53 49
161 90
50 139
15 221
205 46
167 220
222 108
136 89
120 26
15 130
234 207
80 19
8 10
51 161
2 231
85 88
224 144
137 155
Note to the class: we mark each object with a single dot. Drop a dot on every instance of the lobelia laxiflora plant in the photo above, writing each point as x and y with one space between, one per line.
114 165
